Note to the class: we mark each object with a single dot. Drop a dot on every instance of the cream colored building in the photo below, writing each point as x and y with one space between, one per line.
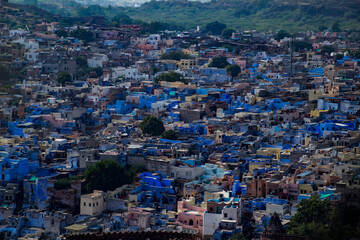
93 204
187 63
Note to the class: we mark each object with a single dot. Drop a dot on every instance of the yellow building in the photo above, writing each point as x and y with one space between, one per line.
305 189
188 63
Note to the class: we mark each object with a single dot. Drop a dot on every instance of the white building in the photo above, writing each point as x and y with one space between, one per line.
93 204
133 73
184 172
272 208
32 55
211 223
154 40
159 106
97 60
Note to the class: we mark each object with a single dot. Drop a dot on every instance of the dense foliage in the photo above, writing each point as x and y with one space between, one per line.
82 34
215 28
281 35
61 33
170 77
4 74
152 126
233 70
107 175
227 33
64 78
317 219
170 134
302 45
327 49
261 15
175 55
62 183
219 62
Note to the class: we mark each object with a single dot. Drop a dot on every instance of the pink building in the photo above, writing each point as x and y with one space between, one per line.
190 217
138 217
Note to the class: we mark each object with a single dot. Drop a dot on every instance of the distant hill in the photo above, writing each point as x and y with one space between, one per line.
291 15
263 15
22 16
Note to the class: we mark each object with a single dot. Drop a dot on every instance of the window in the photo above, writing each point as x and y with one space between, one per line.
89 204
84 204
225 214
97 204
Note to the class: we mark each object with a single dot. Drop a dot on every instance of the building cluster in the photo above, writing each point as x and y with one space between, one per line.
249 148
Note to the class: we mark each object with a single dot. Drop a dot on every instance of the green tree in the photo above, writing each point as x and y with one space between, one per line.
215 28
336 27
302 45
82 34
153 126
339 56
62 183
4 74
106 175
237 236
219 62
98 71
227 33
61 33
170 77
121 19
170 134
281 35
322 28
356 54
64 78
233 70
310 218
81 62
175 55
135 169
327 49
316 219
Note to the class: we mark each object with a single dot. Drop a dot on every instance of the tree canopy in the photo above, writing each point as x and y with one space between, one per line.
153 126
4 74
215 28
327 49
121 19
61 33
62 183
175 55
170 134
317 219
302 45
233 70
106 175
170 77
82 34
336 27
237 236
219 62
281 35
64 78
227 33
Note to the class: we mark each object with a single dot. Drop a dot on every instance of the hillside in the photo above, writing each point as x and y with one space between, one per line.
20 16
263 15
